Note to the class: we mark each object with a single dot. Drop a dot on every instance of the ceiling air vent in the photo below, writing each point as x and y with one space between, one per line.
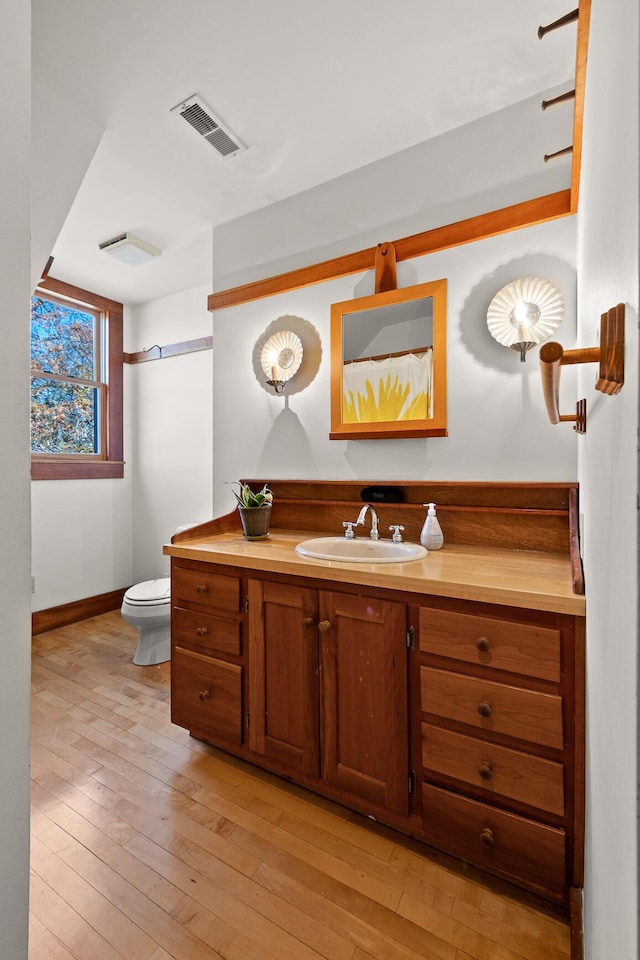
207 126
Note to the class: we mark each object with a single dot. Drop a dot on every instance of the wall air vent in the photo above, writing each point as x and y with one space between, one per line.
208 127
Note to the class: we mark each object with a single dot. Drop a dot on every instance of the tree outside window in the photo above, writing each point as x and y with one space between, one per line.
66 396
76 384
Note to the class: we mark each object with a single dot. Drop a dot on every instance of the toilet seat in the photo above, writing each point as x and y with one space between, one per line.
149 593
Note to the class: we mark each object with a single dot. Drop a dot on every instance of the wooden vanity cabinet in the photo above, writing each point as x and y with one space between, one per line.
499 740
470 741
207 671
310 683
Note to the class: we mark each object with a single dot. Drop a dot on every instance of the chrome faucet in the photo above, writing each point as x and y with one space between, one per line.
374 520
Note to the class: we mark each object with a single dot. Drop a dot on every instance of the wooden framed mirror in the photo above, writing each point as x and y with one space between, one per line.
389 364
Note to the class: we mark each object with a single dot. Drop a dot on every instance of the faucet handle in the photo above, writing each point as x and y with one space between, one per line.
348 529
397 532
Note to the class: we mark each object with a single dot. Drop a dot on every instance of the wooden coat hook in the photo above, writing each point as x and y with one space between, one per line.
610 356
562 22
385 268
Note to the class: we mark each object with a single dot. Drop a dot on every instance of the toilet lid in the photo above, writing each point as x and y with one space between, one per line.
150 591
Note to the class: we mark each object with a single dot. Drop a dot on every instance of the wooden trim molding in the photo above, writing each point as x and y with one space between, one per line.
66 613
526 214
574 542
63 289
576 923
156 352
582 44
77 469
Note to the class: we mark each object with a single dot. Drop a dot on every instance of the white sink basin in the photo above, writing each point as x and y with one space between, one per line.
360 550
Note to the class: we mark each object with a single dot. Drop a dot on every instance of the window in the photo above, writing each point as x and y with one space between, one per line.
76 384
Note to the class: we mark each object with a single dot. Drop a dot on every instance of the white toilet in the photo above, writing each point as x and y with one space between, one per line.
147 606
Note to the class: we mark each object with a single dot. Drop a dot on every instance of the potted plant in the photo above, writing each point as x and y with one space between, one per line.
255 510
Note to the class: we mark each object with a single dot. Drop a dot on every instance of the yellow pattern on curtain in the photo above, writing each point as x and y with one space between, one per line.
388 389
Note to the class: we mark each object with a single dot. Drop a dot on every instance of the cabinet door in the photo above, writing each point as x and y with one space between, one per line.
283 675
364 699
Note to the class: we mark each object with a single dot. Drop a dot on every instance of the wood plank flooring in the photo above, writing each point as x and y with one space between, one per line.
149 845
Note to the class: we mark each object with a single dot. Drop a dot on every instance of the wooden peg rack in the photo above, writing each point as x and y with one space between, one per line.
609 355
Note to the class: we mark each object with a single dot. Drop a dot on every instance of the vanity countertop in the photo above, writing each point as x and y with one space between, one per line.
518 578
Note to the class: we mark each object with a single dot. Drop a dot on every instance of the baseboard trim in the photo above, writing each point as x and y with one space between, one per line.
576 923
66 613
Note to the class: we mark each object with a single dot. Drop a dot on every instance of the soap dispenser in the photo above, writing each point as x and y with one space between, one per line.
431 536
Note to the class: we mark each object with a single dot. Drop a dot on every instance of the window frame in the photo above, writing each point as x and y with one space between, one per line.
91 466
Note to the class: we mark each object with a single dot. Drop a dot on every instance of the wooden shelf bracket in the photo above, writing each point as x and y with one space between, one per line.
609 355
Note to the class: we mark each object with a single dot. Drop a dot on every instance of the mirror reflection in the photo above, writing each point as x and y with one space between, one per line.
389 364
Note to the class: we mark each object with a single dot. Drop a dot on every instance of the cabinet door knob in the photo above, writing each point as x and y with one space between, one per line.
484 708
485 770
204 695
201 588
486 838
307 621
202 631
483 644
324 625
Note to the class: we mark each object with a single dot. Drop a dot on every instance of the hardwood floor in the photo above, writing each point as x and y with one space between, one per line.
149 845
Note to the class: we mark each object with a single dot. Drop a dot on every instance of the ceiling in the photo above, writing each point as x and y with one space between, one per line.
314 91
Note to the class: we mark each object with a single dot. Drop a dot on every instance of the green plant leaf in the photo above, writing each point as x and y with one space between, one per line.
248 498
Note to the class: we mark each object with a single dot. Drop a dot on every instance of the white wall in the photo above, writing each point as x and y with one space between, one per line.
450 177
81 538
82 530
14 483
608 472
56 174
172 433
498 429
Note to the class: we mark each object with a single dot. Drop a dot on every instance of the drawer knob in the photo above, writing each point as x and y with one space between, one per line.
204 695
485 770
483 644
202 631
484 708
201 588
324 625
307 621
486 838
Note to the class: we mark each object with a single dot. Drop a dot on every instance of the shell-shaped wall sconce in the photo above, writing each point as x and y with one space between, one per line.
281 358
524 313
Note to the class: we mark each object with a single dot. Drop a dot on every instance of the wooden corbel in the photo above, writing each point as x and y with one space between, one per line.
609 355
385 268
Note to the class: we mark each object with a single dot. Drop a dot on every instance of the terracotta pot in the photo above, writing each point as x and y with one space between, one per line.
255 521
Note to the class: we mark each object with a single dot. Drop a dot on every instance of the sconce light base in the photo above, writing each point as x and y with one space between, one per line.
522 348
278 385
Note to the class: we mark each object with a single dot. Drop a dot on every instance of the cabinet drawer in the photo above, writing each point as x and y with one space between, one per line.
206 694
509 773
205 589
504 843
531 650
206 632
495 707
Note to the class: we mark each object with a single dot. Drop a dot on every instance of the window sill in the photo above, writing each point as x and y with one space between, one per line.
77 470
